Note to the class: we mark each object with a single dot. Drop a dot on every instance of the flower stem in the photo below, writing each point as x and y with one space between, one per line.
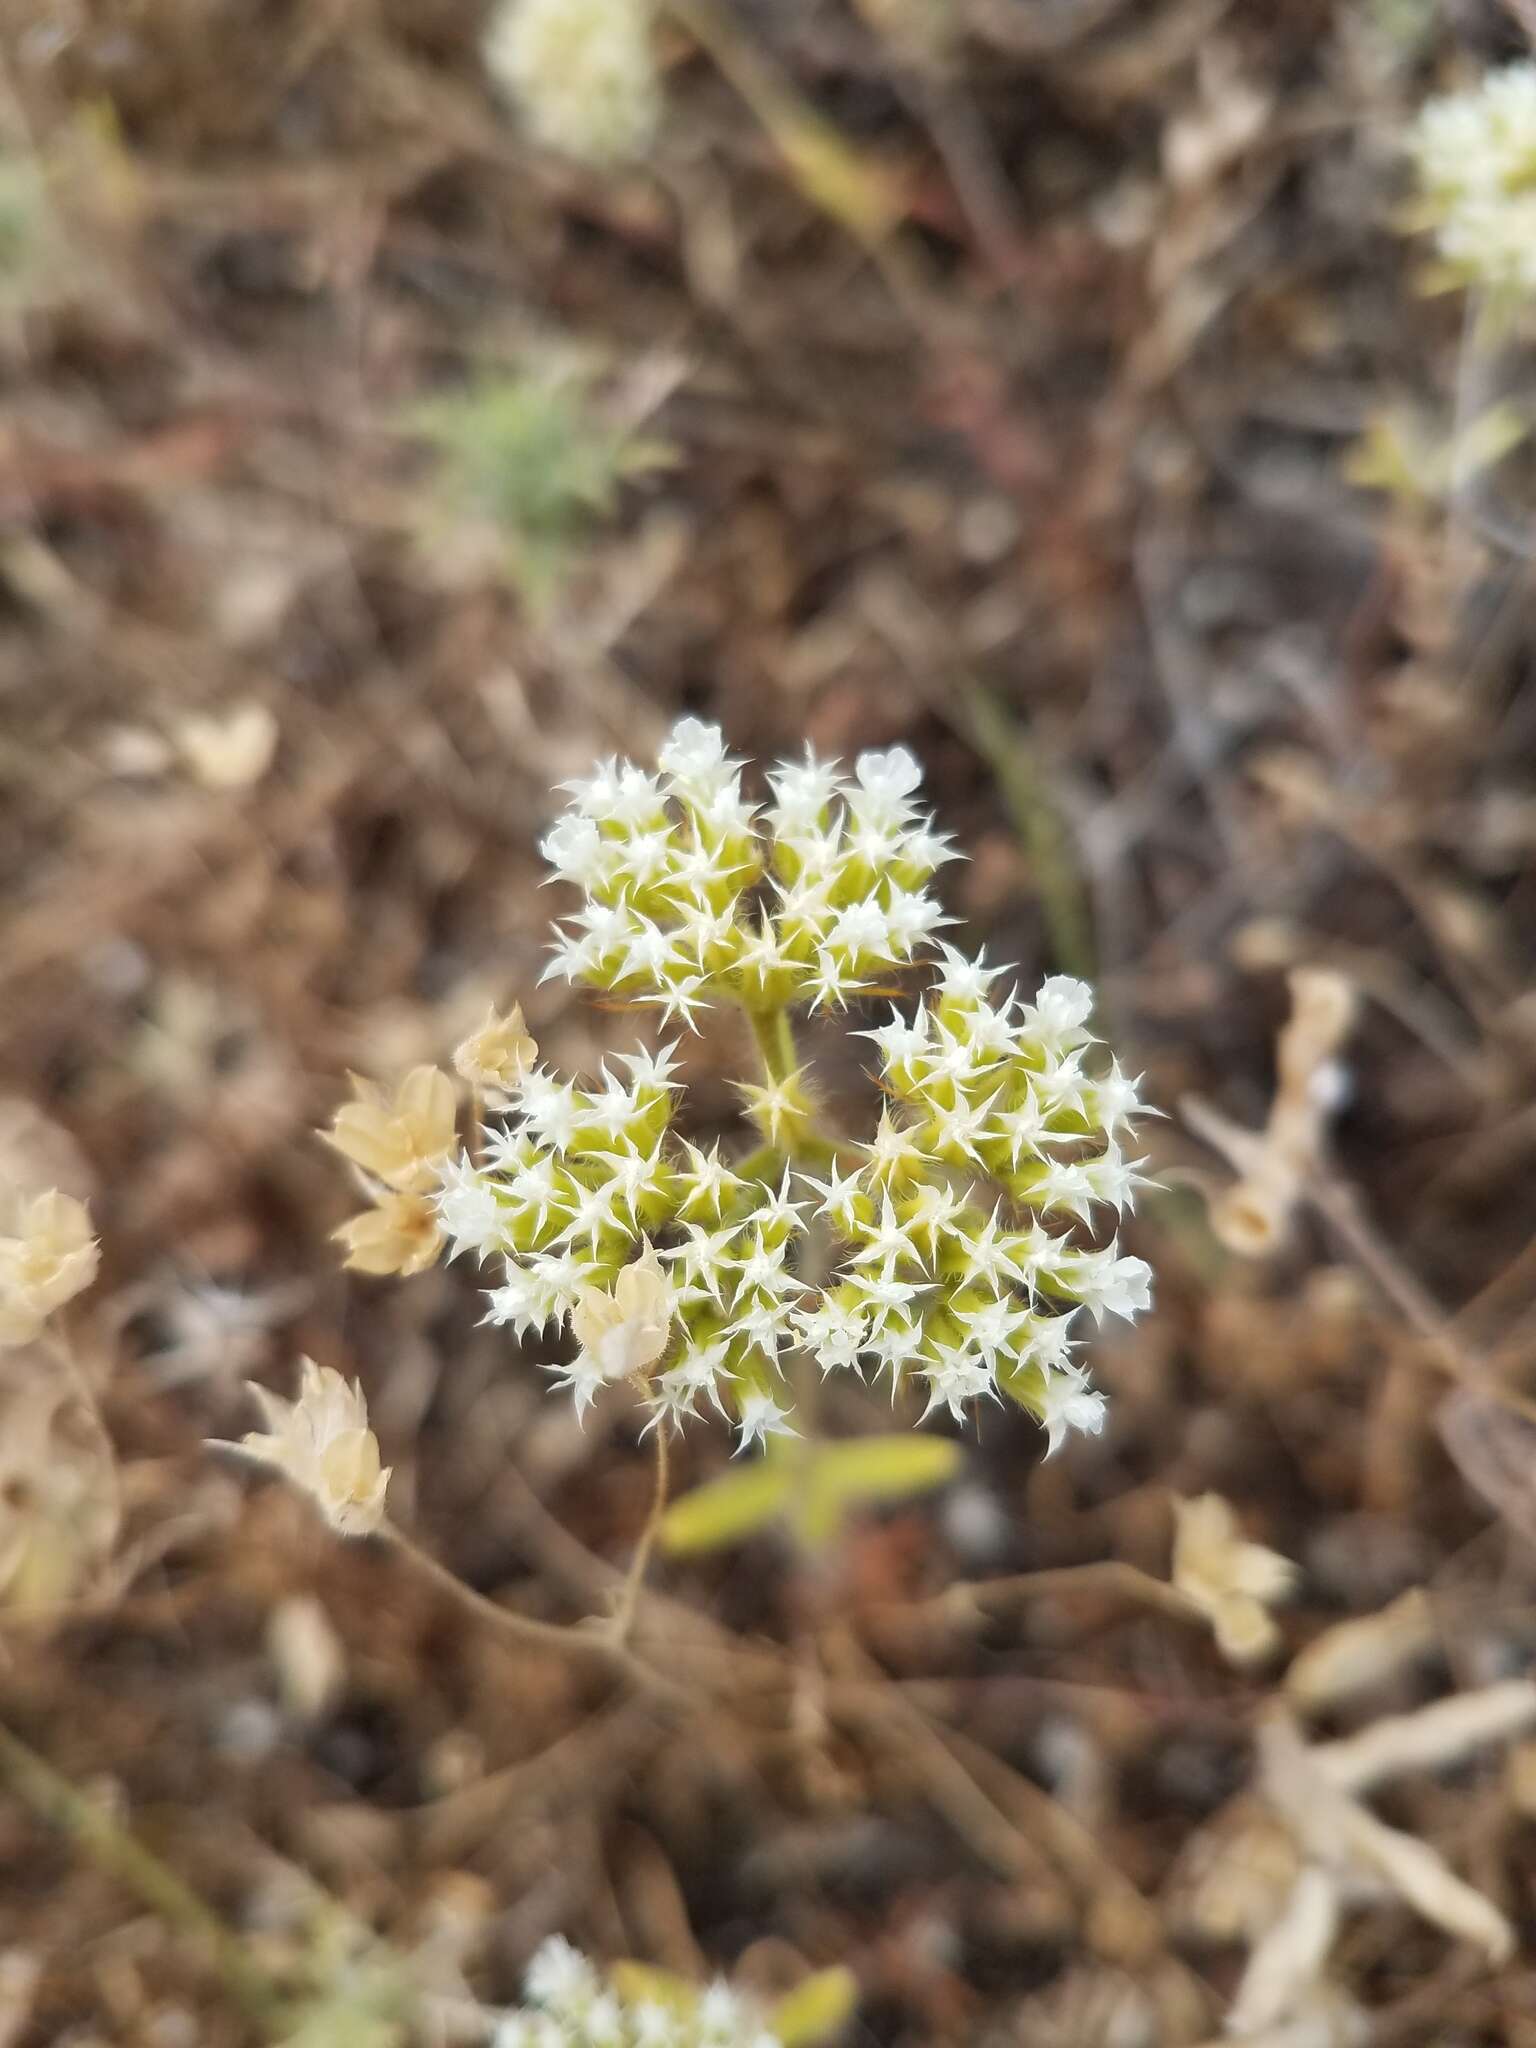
629 1593
775 1041
583 1645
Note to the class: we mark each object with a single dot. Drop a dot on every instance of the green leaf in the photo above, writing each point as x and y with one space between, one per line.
816 2010
644 1984
727 1509
887 1467
866 1468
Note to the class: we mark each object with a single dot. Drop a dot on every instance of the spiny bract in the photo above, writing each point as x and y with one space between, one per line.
956 1230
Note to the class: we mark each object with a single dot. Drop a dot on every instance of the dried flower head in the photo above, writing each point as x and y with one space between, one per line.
494 1060
1234 1583
571 2005
322 1442
399 1234
1475 155
622 1333
954 1247
581 72
398 1139
50 1257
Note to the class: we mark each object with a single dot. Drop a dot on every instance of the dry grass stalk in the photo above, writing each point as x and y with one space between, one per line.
1274 1165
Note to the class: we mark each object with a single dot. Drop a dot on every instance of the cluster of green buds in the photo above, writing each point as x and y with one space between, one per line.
951 1242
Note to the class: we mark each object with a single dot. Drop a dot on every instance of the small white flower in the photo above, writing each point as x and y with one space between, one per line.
885 782
833 1333
469 1210
802 793
759 1417
1060 1010
1068 1404
1108 1285
955 1380
560 1977
549 1109
694 755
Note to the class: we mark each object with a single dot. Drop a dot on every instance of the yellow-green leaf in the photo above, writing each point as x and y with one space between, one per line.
727 1509
643 1984
887 1467
816 2010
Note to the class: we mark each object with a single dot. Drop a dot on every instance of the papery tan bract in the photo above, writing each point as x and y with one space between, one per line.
497 1056
626 1332
399 1234
322 1442
399 1139
50 1257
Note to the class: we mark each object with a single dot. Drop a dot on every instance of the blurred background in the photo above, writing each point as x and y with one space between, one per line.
1046 385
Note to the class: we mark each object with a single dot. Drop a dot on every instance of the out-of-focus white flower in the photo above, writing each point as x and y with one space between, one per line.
1475 155
581 72
322 1442
570 2006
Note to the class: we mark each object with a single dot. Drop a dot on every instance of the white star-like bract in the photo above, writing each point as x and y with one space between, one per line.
568 2004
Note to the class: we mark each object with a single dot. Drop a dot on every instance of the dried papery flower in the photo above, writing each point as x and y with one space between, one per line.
497 1056
624 1333
322 1442
582 74
50 1256
399 1234
399 1139
231 749
1340 1836
1233 1582
1274 1165
1362 1652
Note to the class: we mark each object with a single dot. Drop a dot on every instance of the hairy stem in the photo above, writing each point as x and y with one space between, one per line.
775 1041
629 1592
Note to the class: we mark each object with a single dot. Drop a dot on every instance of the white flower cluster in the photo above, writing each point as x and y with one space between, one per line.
570 2006
574 1189
959 1263
995 1130
1475 154
692 897
582 73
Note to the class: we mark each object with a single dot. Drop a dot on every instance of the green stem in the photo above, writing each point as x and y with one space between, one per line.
775 1040
112 1849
